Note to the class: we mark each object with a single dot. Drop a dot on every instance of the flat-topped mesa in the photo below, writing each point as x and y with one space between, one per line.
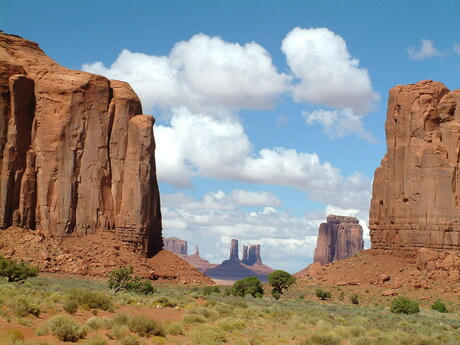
339 238
75 155
416 192
175 245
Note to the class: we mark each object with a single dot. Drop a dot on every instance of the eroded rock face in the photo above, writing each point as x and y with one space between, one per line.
175 245
416 192
76 156
251 254
339 238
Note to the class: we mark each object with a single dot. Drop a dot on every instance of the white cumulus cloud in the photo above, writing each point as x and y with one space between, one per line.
326 71
339 123
426 50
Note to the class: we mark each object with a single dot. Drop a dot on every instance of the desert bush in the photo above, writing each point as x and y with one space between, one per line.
193 318
95 340
70 305
280 280
16 271
207 335
248 286
164 302
403 305
230 325
207 290
145 326
354 299
130 340
99 322
322 339
120 319
122 279
439 306
22 306
208 313
322 294
11 337
91 299
63 327
175 328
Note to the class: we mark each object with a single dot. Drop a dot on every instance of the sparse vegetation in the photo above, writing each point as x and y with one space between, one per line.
16 271
251 286
145 326
403 305
64 328
280 280
354 299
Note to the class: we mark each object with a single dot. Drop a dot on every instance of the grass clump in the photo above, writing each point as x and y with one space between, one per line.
95 340
403 305
190 319
145 326
99 323
70 305
92 299
130 340
175 328
440 307
63 327
230 325
207 335
322 339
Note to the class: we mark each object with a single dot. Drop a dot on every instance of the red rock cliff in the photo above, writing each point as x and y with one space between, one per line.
416 192
76 156
339 238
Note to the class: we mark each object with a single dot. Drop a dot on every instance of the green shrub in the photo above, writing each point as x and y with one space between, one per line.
92 299
164 302
22 306
193 318
230 325
70 305
122 279
403 305
280 280
175 328
120 319
322 339
12 337
130 340
322 294
16 271
99 322
354 299
63 327
439 306
145 326
95 340
248 286
207 335
207 290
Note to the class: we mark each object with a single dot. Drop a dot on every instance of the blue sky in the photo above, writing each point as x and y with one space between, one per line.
269 114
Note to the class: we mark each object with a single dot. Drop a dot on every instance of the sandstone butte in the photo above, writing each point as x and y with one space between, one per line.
76 155
339 238
416 192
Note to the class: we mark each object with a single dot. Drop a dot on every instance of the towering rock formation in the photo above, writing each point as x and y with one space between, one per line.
339 238
234 250
251 255
416 192
76 156
175 245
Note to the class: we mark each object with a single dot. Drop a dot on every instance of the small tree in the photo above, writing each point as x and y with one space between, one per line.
439 306
122 279
248 286
16 271
323 294
280 280
403 305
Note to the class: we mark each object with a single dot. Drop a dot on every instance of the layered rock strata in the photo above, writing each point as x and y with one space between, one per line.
76 156
416 191
339 238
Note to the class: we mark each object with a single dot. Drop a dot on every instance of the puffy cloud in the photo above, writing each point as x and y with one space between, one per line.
339 123
202 74
426 50
326 71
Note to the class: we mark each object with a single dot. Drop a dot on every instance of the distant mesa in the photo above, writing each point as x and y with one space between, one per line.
339 238
235 269
179 247
416 191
